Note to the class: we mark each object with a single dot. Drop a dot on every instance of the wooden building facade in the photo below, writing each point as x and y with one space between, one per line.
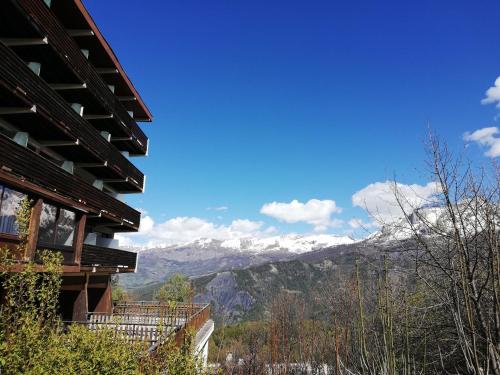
68 130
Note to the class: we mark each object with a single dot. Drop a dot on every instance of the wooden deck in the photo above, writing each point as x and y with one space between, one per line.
151 321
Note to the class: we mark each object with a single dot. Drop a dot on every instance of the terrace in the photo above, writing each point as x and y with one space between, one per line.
154 322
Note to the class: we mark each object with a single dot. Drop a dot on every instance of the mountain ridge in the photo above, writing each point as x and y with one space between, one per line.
204 256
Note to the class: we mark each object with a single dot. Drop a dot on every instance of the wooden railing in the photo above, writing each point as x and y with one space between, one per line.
18 79
108 258
59 39
24 165
148 329
152 322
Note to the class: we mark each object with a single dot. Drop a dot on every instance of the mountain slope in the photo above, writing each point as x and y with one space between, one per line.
243 294
208 255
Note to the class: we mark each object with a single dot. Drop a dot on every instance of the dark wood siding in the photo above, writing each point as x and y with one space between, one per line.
18 79
107 258
26 165
61 41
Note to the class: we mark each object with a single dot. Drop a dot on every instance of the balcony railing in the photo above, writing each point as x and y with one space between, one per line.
18 79
70 53
151 322
22 166
103 257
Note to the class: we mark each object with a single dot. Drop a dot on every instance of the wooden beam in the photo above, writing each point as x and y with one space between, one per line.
118 139
32 240
79 237
115 179
59 143
73 287
105 304
91 165
81 305
127 98
98 117
18 42
80 32
107 70
20 267
23 184
17 110
68 86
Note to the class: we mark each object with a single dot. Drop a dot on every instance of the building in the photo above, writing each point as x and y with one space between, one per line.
68 132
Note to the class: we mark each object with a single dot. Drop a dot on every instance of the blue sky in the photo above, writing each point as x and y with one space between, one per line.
273 101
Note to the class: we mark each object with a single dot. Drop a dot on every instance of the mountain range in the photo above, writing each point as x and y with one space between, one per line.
204 256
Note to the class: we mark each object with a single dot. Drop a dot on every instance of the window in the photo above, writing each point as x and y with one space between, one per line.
57 226
9 203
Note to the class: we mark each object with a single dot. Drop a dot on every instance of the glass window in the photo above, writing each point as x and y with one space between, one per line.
57 226
65 228
47 226
9 203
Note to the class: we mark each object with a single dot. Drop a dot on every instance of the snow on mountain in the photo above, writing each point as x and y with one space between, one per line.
419 221
293 243
207 255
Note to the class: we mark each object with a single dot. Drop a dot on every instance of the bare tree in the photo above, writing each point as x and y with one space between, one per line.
456 252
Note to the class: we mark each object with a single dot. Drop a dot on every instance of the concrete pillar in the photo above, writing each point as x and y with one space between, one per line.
106 135
78 108
21 138
99 184
68 166
35 67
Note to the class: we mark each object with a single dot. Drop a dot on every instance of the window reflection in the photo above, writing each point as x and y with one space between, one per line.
47 223
9 203
65 228
57 226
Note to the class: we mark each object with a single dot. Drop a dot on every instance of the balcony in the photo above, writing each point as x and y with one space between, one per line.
103 258
48 117
96 93
74 17
153 322
28 171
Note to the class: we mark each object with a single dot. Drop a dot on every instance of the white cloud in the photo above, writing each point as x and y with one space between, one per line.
315 212
380 201
493 94
184 229
218 208
246 226
486 137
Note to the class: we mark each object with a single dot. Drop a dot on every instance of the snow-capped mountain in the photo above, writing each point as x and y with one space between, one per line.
422 221
293 243
209 255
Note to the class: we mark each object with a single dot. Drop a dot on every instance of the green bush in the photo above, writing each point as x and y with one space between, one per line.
34 341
